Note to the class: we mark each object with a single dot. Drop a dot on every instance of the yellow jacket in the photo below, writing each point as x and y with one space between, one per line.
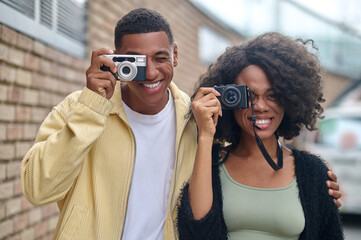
83 159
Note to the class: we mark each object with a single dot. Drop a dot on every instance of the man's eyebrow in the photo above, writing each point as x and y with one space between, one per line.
133 53
162 53
157 53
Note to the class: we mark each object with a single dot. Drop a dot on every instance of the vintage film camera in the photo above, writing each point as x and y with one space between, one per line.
129 67
233 96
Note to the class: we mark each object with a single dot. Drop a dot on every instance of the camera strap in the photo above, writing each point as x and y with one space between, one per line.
260 145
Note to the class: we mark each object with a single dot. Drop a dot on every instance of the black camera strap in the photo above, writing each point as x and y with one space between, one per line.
260 145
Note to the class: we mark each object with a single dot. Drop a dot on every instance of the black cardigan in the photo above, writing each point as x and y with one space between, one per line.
322 218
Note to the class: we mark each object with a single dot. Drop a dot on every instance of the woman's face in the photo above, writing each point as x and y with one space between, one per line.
269 113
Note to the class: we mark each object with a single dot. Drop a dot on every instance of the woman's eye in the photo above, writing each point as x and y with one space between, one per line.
272 96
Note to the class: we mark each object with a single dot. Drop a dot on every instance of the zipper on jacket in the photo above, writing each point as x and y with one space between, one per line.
175 178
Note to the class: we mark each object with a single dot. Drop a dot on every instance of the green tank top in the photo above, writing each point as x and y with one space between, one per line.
261 213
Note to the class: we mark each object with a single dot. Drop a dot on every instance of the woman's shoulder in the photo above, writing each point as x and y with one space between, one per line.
307 161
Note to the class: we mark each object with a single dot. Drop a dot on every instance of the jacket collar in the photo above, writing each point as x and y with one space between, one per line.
181 102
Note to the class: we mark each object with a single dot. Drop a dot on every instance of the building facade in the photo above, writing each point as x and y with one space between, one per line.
37 73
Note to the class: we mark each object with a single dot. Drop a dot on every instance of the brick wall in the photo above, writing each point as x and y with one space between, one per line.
34 77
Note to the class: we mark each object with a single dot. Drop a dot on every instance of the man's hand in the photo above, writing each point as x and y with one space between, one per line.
101 82
334 188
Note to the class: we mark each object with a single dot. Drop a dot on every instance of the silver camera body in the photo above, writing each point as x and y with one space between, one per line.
129 67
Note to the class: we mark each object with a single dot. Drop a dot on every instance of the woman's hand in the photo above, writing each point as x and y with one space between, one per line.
206 108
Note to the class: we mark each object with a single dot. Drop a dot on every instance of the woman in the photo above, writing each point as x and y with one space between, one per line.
240 196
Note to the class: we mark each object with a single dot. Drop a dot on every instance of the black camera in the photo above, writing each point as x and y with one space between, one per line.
233 96
129 67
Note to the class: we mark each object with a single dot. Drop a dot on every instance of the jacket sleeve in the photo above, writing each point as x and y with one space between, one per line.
52 165
322 217
212 225
332 227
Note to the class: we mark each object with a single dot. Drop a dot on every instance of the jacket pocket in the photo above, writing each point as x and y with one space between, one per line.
74 222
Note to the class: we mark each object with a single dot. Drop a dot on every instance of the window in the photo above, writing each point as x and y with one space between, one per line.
211 44
58 23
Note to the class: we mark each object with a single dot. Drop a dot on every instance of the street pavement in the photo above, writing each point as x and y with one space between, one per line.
352 227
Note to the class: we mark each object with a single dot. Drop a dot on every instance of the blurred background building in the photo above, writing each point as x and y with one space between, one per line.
45 47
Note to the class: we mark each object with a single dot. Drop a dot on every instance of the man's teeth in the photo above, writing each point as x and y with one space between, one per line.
263 121
151 85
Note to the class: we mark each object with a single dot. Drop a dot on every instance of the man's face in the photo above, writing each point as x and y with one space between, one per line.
150 96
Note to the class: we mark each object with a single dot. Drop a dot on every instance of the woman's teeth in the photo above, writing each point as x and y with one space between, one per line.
151 85
263 121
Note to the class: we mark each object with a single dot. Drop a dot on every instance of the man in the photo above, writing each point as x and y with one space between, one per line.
114 156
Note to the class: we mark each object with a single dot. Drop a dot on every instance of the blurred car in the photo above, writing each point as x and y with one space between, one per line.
338 141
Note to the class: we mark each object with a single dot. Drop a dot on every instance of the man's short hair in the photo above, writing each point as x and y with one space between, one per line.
141 20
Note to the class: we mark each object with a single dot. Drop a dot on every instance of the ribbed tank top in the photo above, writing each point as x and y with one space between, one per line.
261 213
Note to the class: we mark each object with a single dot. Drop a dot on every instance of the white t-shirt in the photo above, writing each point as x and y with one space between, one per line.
153 169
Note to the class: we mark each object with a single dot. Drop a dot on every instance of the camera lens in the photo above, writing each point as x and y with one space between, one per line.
126 70
231 97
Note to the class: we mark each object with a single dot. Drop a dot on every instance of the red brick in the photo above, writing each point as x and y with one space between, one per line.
35 215
15 94
22 114
56 99
2 132
45 66
31 97
41 229
6 228
4 52
2 171
13 206
53 221
13 169
7 151
78 63
23 77
20 222
28 234
38 80
39 114
48 237
7 73
45 99
2 210
30 131
21 148
17 187
25 204
8 35
24 42
6 190
7 113
63 58
16 237
32 62
14 132
17 57
50 210
3 92
39 48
